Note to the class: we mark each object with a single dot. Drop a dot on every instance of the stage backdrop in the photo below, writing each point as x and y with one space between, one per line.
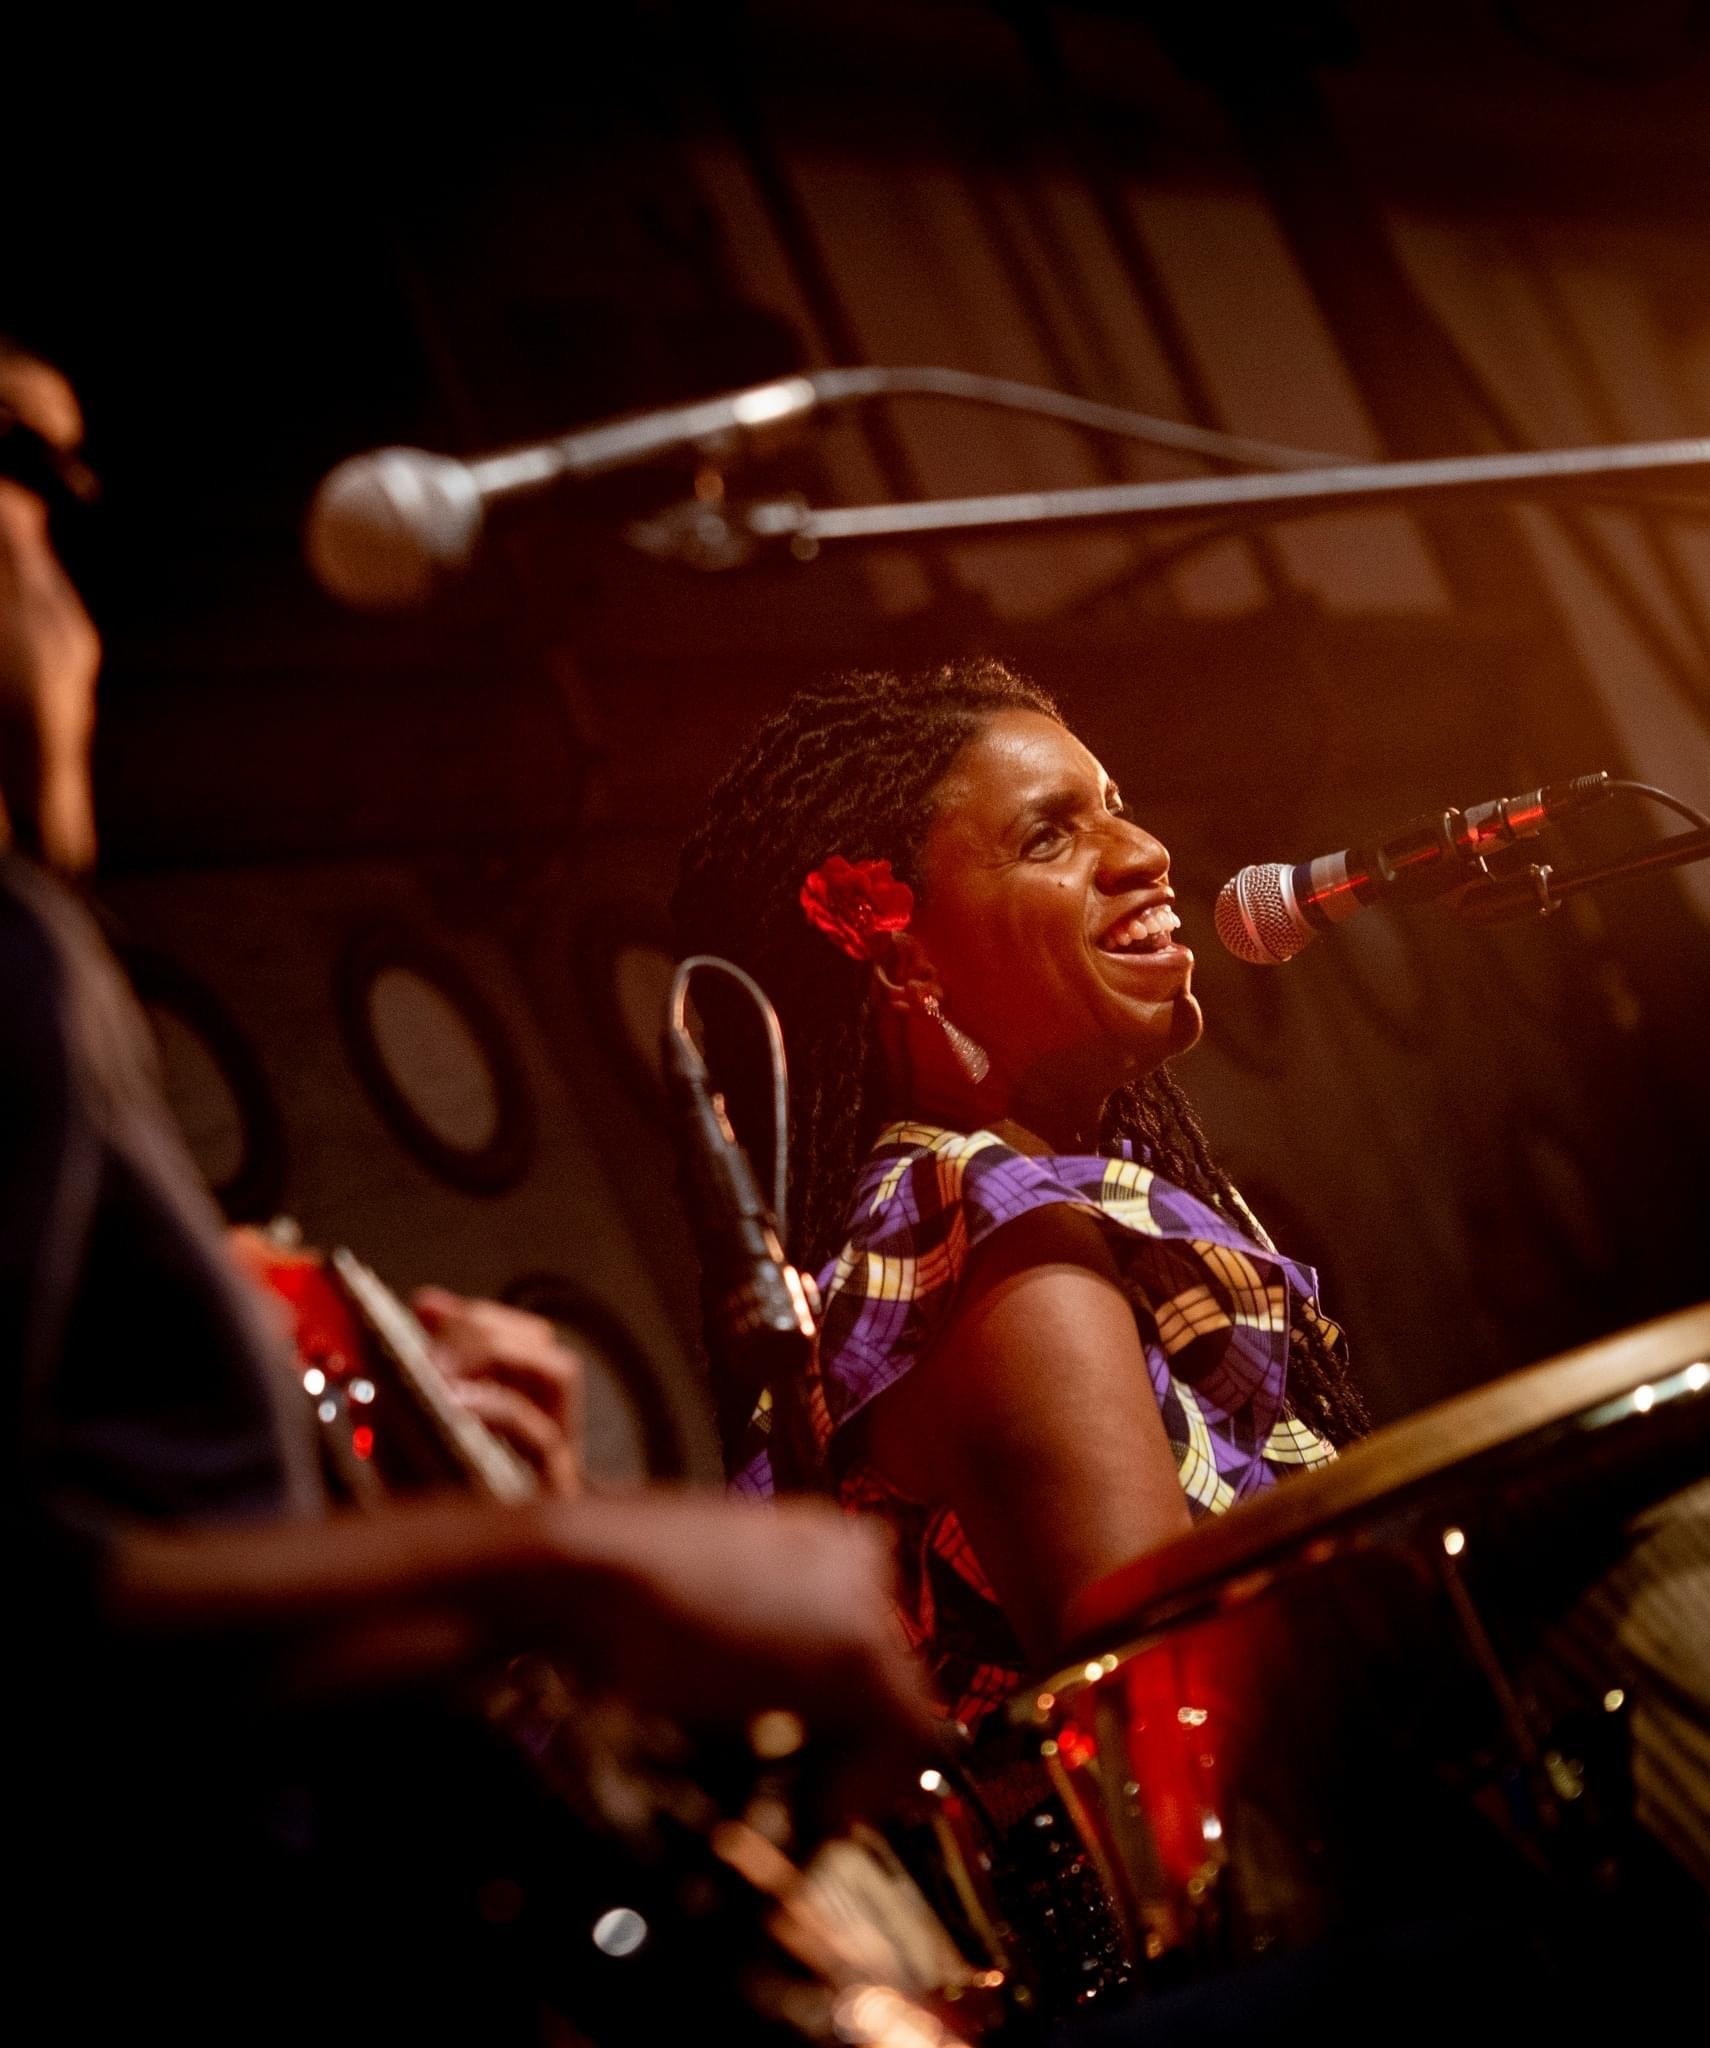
1362 230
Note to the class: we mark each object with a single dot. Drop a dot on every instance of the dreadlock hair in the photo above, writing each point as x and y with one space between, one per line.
851 767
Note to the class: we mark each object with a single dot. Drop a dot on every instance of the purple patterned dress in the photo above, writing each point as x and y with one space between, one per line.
1214 1308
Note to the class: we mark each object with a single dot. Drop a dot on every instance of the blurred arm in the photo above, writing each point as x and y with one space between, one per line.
698 1607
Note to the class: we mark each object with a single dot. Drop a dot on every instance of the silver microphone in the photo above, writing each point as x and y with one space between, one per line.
385 529
1258 915
1268 913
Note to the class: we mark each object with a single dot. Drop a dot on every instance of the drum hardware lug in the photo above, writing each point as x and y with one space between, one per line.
1484 1650
945 1840
1544 1775
1150 1923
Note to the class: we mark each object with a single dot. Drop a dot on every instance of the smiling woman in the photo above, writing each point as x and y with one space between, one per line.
1031 857
1053 1332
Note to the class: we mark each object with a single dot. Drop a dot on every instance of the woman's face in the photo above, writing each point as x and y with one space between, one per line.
1048 915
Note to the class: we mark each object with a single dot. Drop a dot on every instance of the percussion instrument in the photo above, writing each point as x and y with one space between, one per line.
1462 1673
659 1886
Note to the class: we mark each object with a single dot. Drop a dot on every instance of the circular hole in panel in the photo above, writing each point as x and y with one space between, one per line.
201 1098
641 974
214 1086
615 1448
629 1421
622 961
434 1059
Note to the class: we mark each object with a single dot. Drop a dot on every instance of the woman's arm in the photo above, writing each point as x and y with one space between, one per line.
1033 1417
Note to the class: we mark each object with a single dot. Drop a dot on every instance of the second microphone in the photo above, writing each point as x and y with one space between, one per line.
1268 913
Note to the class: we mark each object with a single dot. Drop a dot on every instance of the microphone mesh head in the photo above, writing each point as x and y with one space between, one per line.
384 528
1255 920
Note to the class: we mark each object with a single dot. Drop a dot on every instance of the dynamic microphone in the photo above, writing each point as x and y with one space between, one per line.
1268 913
760 1317
386 528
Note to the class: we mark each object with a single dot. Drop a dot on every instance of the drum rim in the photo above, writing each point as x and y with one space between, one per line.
1593 1385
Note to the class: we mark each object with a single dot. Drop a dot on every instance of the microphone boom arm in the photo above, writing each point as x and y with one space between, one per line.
1616 472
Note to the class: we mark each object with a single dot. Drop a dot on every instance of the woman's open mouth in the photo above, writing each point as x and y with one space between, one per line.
1142 933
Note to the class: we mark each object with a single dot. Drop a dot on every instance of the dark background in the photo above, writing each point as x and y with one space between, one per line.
1373 229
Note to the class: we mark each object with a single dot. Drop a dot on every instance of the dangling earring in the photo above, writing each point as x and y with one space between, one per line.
971 1057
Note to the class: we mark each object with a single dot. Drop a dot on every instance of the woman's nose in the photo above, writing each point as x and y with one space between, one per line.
1132 854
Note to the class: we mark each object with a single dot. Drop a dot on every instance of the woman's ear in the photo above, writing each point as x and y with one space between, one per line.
935 1070
902 970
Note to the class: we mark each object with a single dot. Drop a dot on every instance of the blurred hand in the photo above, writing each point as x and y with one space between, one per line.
706 1610
725 1609
513 1371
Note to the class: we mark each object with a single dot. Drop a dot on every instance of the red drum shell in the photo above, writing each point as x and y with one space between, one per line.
1401 1688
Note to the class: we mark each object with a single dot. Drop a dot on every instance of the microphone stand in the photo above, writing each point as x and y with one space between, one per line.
1538 891
427 510
760 1314
726 535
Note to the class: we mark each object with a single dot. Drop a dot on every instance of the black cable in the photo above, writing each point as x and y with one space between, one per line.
853 386
1674 803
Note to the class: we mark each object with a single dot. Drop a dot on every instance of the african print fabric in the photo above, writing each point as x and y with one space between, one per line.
1214 1310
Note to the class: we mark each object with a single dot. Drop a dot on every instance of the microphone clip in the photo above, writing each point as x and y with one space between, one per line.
1501 899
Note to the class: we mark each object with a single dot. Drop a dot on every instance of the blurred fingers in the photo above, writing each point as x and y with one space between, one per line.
488 1340
533 1435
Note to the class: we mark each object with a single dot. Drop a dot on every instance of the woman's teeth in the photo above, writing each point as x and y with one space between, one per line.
1148 931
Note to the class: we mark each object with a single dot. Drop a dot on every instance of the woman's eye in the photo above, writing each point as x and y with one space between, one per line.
1044 839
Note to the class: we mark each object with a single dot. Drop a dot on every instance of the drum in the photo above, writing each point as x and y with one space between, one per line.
635 1876
1460 1676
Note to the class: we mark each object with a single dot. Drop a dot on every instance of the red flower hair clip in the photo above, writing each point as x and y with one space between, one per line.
852 902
